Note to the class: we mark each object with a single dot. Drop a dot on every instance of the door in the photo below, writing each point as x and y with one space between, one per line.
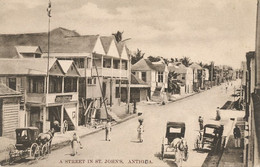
35 117
1 117
12 83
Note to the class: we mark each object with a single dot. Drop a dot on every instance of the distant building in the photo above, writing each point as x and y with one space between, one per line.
155 75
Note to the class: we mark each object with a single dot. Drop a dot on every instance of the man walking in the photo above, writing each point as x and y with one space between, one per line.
200 122
108 130
237 136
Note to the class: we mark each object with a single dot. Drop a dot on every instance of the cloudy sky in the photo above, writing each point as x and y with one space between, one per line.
204 30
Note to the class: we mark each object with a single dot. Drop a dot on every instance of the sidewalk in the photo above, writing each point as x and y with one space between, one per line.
60 140
233 156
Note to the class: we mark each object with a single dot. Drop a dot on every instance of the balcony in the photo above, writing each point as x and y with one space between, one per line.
52 98
109 72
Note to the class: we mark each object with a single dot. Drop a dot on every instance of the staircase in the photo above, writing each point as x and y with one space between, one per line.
157 95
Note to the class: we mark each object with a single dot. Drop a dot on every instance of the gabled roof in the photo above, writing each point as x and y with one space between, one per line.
147 65
25 66
120 47
28 49
5 90
135 80
106 42
67 67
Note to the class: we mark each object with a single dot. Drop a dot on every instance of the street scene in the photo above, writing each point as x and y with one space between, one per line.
129 83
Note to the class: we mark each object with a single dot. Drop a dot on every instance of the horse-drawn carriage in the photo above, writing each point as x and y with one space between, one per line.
209 138
174 144
28 144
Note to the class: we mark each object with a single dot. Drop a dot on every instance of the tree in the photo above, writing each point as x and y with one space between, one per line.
137 56
186 61
118 35
173 86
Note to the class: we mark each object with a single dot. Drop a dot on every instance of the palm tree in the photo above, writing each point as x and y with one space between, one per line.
173 86
137 56
186 61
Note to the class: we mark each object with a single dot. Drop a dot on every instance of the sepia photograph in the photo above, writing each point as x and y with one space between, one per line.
130 83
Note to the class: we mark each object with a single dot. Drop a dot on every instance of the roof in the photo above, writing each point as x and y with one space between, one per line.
147 65
195 66
67 55
135 80
106 42
5 90
212 126
120 47
178 69
176 124
62 41
28 49
35 66
66 64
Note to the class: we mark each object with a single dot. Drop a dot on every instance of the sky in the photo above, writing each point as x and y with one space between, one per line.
203 30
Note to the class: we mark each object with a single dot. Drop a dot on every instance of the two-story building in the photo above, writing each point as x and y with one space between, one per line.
101 62
155 75
197 76
49 94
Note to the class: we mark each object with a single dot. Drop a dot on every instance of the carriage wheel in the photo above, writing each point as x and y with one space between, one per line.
34 150
162 152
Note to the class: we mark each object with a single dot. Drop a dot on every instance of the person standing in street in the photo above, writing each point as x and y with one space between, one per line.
237 136
140 130
75 141
200 122
108 129
218 114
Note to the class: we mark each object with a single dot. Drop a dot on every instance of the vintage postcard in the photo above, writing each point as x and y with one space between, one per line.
129 83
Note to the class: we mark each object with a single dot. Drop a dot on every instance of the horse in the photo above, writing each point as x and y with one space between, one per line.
44 138
181 150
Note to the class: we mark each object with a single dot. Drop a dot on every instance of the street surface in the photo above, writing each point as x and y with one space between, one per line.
124 150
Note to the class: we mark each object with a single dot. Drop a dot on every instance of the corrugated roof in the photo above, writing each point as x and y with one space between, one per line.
5 90
25 66
146 65
67 55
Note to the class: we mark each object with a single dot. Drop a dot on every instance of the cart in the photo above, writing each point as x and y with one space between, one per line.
174 130
209 138
26 145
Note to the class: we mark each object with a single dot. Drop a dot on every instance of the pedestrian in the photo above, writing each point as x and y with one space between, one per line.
140 130
65 126
218 114
237 136
200 122
108 129
75 141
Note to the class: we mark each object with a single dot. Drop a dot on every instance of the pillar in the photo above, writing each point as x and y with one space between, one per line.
62 118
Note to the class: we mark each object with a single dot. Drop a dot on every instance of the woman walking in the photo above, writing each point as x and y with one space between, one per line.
140 130
75 141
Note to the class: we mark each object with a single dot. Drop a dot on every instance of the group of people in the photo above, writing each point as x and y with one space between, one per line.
75 140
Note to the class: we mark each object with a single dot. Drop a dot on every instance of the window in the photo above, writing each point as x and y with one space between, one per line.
12 83
133 73
55 84
160 76
37 55
92 81
70 84
144 76
36 84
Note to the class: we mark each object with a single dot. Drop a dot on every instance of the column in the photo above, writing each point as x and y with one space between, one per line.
62 118
44 119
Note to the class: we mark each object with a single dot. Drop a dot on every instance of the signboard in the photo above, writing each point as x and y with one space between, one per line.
63 98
